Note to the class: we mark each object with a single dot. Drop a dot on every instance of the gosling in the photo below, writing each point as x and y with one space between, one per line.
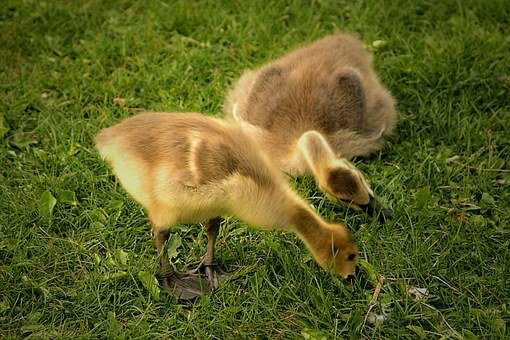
314 109
189 168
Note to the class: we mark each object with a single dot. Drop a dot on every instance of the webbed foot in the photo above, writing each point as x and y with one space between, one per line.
185 286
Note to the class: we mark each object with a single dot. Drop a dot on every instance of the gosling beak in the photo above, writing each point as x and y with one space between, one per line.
374 207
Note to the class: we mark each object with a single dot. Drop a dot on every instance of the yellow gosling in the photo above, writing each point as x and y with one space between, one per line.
188 168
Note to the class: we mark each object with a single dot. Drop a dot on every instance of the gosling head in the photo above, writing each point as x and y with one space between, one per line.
347 185
340 253
331 245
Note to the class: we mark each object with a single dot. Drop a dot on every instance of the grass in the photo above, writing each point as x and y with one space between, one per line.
74 269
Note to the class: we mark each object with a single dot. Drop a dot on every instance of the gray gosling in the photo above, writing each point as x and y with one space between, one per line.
189 168
314 109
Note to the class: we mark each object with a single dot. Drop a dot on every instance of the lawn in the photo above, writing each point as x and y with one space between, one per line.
76 255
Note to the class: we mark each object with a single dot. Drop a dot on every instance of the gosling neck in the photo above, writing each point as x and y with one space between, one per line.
309 227
317 153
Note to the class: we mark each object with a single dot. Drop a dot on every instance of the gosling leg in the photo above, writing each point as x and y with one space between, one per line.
165 268
213 227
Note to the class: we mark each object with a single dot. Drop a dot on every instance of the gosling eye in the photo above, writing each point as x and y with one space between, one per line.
351 257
